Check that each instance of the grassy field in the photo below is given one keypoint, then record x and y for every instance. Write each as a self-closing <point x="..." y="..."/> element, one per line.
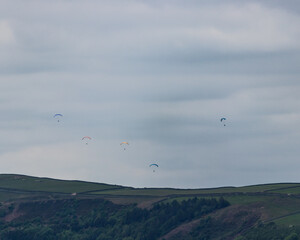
<point x="280" y="206"/>
<point x="291" y="190"/>
<point x="7" y="196"/>
<point x="27" y="183"/>
<point x="267" y="187"/>
<point x="292" y="220"/>
<point x="214" y="191"/>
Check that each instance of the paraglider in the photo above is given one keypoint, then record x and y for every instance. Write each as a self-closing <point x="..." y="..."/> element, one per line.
<point x="124" y="144"/>
<point x="153" y="166"/>
<point x="87" y="139"/>
<point x="58" y="116"/>
<point x="223" y="119"/>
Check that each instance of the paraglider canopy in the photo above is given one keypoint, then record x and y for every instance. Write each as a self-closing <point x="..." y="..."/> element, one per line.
<point x="58" y="116"/>
<point x="223" y="119"/>
<point x="124" y="143"/>
<point x="87" y="138"/>
<point x="153" y="165"/>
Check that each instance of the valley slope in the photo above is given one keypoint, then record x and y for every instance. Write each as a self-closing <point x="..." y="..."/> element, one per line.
<point x="25" y="197"/>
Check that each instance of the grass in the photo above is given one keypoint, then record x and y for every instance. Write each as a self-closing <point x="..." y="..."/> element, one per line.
<point x="171" y="191"/>
<point x="7" y="196"/>
<point x="280" y="206"/>
<point x="292" y="220"/>
<point x="292" y="190"/>
<point x="245" y="200"/>
<point x="26" y="183"/>
<point x="266" y="187"/>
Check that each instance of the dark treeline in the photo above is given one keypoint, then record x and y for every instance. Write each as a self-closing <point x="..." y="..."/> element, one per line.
<point x="107" y="221"/>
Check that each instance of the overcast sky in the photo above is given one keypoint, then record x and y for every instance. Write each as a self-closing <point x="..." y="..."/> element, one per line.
<point x="159" y="75"/>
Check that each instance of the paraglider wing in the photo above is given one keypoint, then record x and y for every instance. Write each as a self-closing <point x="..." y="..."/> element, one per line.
<point x="122" y="143"/>
<point x="87" y="138"/>
<point x="153" y="164"/>
<point x="58" y="116"/>
<point x="223" y="119"/>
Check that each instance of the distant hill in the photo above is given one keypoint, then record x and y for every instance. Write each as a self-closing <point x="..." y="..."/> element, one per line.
<point x="64" y="209"/>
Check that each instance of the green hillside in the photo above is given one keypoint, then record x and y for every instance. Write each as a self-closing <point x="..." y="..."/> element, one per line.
<point x="288" y="187"/>
<point x="27" y="183"/>
<point x="242" y="213"/>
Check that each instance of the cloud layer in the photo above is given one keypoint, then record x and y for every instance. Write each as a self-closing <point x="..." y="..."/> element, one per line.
<point x="159" y="75"/>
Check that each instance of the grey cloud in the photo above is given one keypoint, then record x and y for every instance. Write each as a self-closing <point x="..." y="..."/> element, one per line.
<point x="66" y="36"/>
<point x="159" y="75"/>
